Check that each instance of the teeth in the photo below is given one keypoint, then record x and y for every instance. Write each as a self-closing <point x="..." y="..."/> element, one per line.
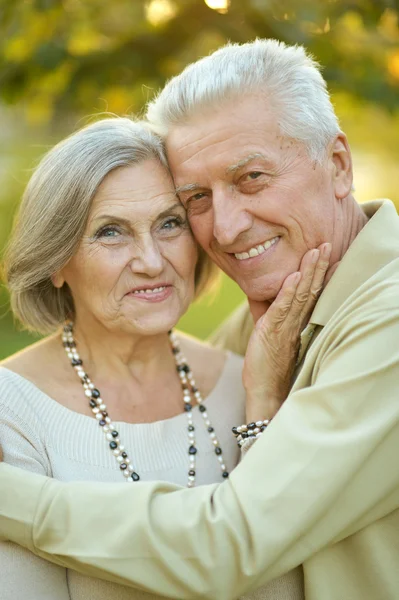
<point x="256" y="250"/>
<point x="154" y="291"/>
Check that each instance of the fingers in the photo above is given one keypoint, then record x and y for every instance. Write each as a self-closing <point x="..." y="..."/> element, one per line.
<point x="314" y="267"/>
<point x="321" y="269"/>
<point x="307" y="268"/>
<point x="282" y="305"/>
<point x="298" y="294"/>
<point x="300" y="291"/>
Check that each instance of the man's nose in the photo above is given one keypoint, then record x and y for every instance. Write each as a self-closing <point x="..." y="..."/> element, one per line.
<point x="230" y="217"/>
<point x="147" y="258"/>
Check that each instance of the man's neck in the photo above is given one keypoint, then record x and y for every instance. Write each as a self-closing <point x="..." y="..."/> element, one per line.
<point x="354" y="219"/>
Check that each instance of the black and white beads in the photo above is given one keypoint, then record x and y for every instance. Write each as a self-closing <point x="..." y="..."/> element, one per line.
<point x="191" y="397"/>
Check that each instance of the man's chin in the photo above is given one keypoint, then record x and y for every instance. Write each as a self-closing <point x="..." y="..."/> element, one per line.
<point x="259" y="292"/>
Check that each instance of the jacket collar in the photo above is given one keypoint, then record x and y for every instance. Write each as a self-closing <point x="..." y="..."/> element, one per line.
<point x="375" y="246"/>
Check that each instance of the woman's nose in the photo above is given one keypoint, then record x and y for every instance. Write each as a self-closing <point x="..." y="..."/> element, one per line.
<point x="147" y="259"/>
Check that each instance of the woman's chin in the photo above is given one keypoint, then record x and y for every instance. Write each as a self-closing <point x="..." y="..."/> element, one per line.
<point x="152" y="325"/>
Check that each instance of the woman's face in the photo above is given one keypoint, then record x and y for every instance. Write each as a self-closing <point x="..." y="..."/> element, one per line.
<point x="134" y="268"/>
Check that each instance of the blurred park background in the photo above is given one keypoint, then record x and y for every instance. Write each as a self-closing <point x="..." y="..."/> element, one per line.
<point x="63" y="62"/>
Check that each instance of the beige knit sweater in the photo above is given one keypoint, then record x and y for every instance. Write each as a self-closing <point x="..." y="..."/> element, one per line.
<point x="38" y="434"/>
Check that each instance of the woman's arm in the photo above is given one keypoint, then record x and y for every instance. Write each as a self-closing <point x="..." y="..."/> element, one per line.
<point x="22" y="574"/>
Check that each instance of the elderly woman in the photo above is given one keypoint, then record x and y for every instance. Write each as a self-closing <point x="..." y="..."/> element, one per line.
<point x="102" y="258"/>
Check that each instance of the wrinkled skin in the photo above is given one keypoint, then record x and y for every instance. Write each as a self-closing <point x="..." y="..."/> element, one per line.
<point x="245" y="184"/>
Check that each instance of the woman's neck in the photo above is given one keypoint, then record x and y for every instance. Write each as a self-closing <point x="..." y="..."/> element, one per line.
<point x="123" y="356"/>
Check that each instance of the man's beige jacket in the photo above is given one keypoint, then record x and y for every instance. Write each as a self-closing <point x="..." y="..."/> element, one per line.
<point x="319" y="488"/>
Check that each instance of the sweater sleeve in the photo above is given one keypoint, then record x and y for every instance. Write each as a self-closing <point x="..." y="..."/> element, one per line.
<point x="24" y="575"/>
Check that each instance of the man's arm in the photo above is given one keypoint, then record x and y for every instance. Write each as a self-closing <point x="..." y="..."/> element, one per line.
<point x="324" y="469"/>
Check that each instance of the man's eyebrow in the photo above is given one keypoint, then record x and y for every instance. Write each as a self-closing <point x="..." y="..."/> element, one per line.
<point x="188" y="187"/>
<point x="244" y="161"/>
<point x="191" y="187"/>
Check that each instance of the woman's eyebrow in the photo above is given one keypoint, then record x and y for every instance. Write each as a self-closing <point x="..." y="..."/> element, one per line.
<point x="168" y="210"/>
<point x="122" y="220"/>
<point x="110" y="218"/>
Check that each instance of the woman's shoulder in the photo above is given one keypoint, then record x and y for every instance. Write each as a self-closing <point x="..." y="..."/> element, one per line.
<point x="213" y="367"/>
<point x="17" y="393"/>
<point x="198" y="349"/>
<point x="23" y="414"/>
<point x="23" y="375"/>
<point x="235" y="331"/>
<point x="201" y="354"/>
<point x="206" y="351"/>
<point x="28" y="355"/>
<point x="31" y="363"/>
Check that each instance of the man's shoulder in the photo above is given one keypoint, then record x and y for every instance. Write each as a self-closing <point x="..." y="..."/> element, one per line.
<point x="235" y="331"/>
<point x="382" y="289"/>
<point x="377" y="299"/>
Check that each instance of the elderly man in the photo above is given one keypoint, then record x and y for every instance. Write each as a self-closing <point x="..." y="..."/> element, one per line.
<point x="265" y="173"/>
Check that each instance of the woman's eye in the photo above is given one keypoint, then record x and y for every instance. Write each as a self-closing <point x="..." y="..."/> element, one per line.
<point x="108" y="232"/>
<point x="172" y="223"/>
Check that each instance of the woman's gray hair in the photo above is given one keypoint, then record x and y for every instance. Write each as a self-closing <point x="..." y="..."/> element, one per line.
<point x="54" y="212"/>
<point x="288" y="77"/>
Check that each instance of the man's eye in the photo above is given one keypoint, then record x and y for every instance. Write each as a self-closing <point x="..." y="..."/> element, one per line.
<point x="198" y="196"/>
<point x="253" y="175"/>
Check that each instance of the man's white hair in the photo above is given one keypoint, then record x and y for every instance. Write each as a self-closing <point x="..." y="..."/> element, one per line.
<point x="289" y="78"/>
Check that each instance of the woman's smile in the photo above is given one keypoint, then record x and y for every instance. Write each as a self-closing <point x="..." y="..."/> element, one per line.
<point x="153" y="293"/>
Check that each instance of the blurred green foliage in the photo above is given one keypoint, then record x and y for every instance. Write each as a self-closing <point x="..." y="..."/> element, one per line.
<point x="62" y="60"/>
<point x="58" y="56"/>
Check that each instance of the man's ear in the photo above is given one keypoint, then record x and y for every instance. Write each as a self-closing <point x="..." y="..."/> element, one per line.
<point x="341" y="158"/>
<point x="58" y="279"/>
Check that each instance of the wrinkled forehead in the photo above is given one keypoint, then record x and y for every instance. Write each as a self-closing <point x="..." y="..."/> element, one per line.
<point x="230" y="132"/>
<point x="224" y="153"/>
<point x="129" y="188"/>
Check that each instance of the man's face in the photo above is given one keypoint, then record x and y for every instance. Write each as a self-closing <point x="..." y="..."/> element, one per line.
<point x="255" y="201"/>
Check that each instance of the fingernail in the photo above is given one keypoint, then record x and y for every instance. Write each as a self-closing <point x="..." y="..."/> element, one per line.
<point x="297" y="277"/>
<point x="326" y="250"/>
<point x="315" y="256"/>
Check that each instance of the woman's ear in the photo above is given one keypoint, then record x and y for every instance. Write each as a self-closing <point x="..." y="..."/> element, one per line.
<point x="58" y="279"/>
<point x="341" y="158"/>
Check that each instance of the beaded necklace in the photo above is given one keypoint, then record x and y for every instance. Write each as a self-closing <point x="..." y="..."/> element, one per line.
<point x="191" y="394"/>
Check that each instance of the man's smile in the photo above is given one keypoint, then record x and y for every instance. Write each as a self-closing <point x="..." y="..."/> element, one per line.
<point x="256" y="250"/>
